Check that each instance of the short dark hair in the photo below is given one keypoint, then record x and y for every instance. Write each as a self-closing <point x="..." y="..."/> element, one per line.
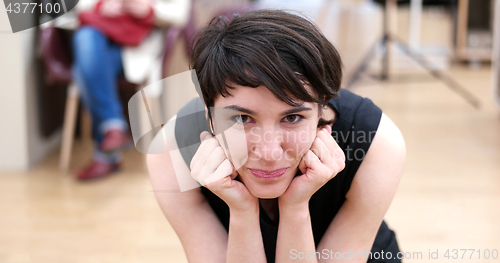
<point x="273" y="48"/>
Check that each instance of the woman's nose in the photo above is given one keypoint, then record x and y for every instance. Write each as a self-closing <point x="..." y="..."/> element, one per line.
<point x="269" y="145"/>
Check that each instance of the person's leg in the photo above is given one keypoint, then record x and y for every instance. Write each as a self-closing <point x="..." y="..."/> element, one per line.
<point x="97" y="67"/>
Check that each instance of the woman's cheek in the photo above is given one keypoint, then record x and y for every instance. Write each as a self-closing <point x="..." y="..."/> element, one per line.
<point x="296" y="144"/>
<point x="236" y="151"/>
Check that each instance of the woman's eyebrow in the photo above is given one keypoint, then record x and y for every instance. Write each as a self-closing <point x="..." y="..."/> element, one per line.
<point x="251" y="112"/>
<point x="295" y="110"/>
<point x="238" y="108"/>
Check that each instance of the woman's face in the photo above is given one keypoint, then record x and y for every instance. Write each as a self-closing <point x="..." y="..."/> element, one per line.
<point x="277" y="135"/>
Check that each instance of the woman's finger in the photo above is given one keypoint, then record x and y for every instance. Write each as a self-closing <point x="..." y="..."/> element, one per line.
<point x="204" y="135"/>
<point x="302" y="164"/>
<point x="215" y="158"/>
<point x="206" y="147"/>
<point x="321" y="150"/>
<point x="335" y="158"/>
<point x="197" y="154"/>
<point x="224" y="170"/>
<point x="328" y="128"/>
<point x="327" y="138"/>
<point x="312" y="161"/>
<point x="335" y="151"/>
<point x="234" y="174"/>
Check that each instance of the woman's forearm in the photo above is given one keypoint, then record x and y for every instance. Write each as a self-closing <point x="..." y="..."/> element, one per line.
<point x="245" y="239"/>
<point x="295" y="237"/>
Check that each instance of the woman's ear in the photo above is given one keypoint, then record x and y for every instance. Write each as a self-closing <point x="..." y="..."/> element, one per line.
<point x="326" y="117"/>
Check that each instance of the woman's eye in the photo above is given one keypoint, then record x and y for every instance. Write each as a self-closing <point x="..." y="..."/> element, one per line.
<point x="293" y="118"/>
<point x="241" y="119"/>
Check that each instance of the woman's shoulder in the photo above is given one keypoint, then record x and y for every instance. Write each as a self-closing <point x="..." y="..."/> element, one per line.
<point x="352" y="109"/>
<point x="357" y="121"/>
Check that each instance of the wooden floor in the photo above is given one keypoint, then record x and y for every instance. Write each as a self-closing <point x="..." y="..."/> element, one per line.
<point x="449" y="197"/>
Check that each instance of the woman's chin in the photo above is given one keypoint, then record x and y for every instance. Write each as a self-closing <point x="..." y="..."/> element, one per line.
<point x="267" y="192"/>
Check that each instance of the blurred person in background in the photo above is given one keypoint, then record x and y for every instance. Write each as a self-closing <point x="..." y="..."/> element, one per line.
<point x="117" y="38"/>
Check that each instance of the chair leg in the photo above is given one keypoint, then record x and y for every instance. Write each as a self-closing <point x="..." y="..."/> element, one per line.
<point x="70" y="115"/>
<point x="86" y="126"/>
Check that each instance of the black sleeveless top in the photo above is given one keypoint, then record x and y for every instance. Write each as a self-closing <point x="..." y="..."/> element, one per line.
<point x="357" y="120"/>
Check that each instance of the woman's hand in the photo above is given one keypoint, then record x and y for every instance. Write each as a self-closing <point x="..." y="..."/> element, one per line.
<point x="138" y="8"/>
<point x="211" y="167"/>
<point x="319" y="165"/>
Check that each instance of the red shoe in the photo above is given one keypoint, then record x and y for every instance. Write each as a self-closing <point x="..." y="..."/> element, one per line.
<point x="115" y="140"/>
<point x="97" y="170"/>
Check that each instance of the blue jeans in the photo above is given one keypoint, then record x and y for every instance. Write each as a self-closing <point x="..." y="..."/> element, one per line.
<point x="97" y="67"/>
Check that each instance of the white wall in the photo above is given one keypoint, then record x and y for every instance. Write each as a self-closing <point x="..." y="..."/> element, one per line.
<point x="21" y="146"/>
<point x="13" y="125"/>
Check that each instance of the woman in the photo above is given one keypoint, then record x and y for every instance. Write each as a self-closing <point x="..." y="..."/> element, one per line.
<point x="322" y="164"/>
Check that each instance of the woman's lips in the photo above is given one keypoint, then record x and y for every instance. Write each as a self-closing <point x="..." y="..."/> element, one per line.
<point x="268" y="175"/>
